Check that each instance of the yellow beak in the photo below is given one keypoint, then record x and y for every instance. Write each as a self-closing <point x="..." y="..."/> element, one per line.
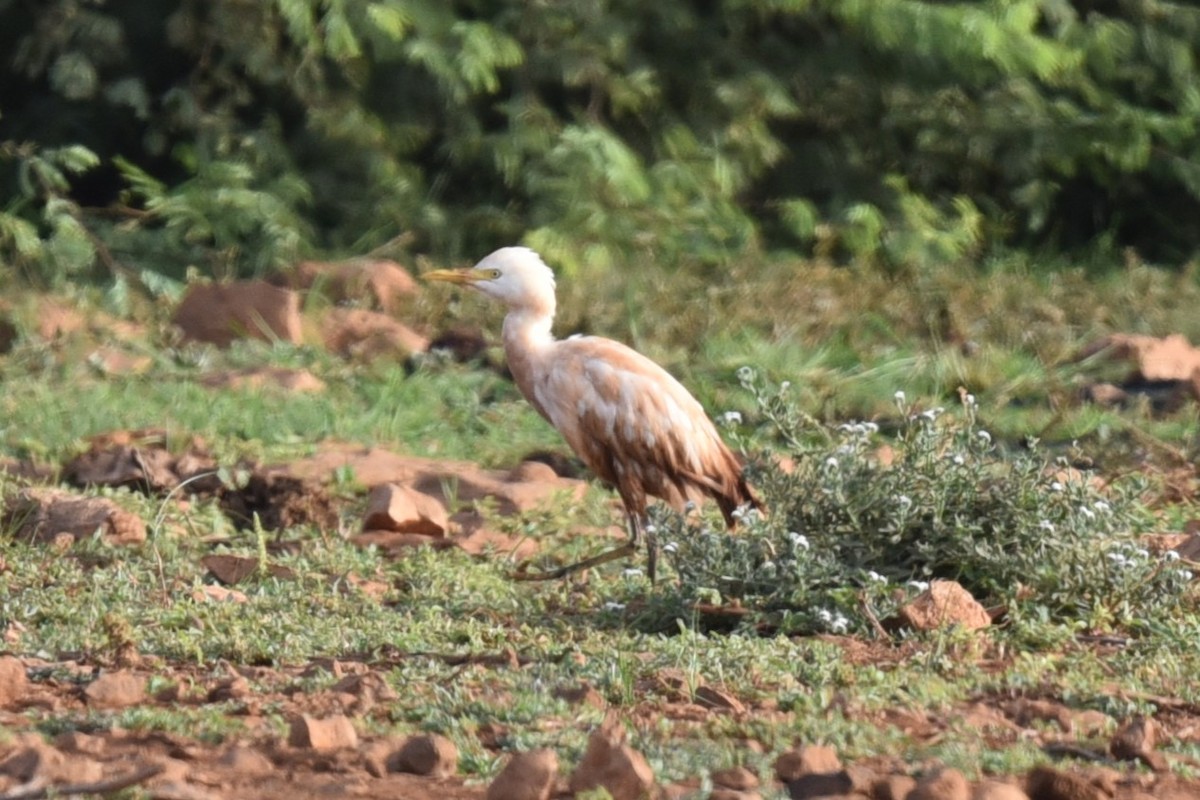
<point x="461" y="276"/>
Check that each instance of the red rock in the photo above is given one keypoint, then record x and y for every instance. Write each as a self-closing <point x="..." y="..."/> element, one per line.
<point x="246" y="760"/>
<point x="1171" y="358"/>
<point x="367" y="335"/>
<point x="526" y="776"/>
<point x="259" y="378"/>
<point x="14" y="683"/>
<point x="1135" y="740"/>
<point x="893" y="787"/>
<point x="943" y="604"/>
<point x="385" y="282"/>
<point x="582" y="695"/>
<point x="711" y="697"/>
<point x="945" y="783"/>
<point x="43" y="515"/>
<point x="1048" y="783"/>
<point x="323" y="735"/>
<point x="433" y="755"/>
<point x="997" y="790"/>
<point x="34" y="760"/>
<point x="214" y="593"/>
<point x="114" y="690"/>
<point x="611" y="763"/>
<point x="737" y="778"/>
<point x="806" y="759"/>
<point x="398" y="508"/>
<point x="220" y="313"/>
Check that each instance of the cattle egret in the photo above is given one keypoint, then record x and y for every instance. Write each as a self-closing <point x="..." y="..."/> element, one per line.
<point x="626" y="417"/>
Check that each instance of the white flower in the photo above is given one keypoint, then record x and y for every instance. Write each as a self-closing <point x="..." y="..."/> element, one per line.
<point x="768" y="566"/>
<point x="875" y="576"/>
<point x="899" y="396"/>
<point x="959" y="460"/>
<point x="783" y="387"/>
<point x="969" y="400"/>
<point x="612" y="606"/>
<point x="904" y="501"/>
<point x="1118" y="560"/>
<point x="732" y="418"/>
<point x="651" y="528"/>
<point x="839" y="624"/>
<point x="1186" y="574"/>
<point x="870" y="427"/>
<point x="800" y="540"/>
<point x="1056" y="487"/>
<point x="1046" y="525"/>
<point x="920" y="586"/>
<point x="831" y="462"/>
<point x="1102" y="507"/>
<point x="1170" y="555"/>
<point x="985" y="436"/>
<point x="745" y="373"/>
<point x="632" y="572"/>
<point x="1087" y="512"/>
<point x="671" y="547"/>
<point x="1141" y="552"/>
<point x="824" y="615"/>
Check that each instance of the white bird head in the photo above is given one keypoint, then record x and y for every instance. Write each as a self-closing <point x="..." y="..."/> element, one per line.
<point x="516" y="276"/>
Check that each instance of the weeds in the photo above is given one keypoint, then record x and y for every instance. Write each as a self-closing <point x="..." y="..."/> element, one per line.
<point x="856" y="525"/>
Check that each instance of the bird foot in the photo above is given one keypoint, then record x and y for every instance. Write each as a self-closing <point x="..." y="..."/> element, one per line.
<point x="627" y="549"/>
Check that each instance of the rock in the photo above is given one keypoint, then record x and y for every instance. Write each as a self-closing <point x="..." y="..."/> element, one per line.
<point x="215" y="593"/>
<point x="732" y="794"/>
<point x="1135" y="740"/>
<point x="144" y="465"/>
<point x="46" y="515"/>
<point x="385" y="282"/>
<point x="34" y="760"/>
<point x="323" y="735"/>
<point x="944" y="603"/>
<point x="231" y="569"/>
<point x="736" y="778"/>
<point x="259" y="378"/>
<point x="1171" y="358"/>
<point x="997" y="790"/>
<point x="366" y="335"/>
<point x="526" y="776"/>
<point x="220" y="313"/>
<point x="819" y="784"/>
<point x="945" y="783"/>
<point x="246" y="760"/>
<point x="397" y="508"/>
<point x="805" y="760"/>
<point x="582" y="695"/>
<point x="1048" y="783"/>
<point x="711" y="697"/>
<point x="113" y="690"/>
<point x="14" y="683"/>
<point x="432" y="754"/>
<point x="611" y="763"/>
<point x="893" y="787"/>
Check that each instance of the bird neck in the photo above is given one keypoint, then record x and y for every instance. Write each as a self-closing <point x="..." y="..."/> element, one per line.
<point x="528" y="329"/>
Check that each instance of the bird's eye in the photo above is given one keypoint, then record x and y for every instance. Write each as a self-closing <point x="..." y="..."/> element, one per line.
<point x="493" y="274"/>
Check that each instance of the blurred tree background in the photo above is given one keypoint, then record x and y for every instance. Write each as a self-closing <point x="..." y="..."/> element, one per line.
<point x="139" y="138"/>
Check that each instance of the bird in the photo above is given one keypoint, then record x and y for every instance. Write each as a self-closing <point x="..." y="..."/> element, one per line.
<point x="629" y="420"/>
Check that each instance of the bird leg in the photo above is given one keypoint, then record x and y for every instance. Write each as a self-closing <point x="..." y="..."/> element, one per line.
<point x="629" y="548"/>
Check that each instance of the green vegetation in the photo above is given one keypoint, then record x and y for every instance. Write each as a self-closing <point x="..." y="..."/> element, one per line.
<point x="144" y="137"/>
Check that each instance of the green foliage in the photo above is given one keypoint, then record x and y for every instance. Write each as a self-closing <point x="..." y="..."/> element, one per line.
<point x="236" y="136"/>
<point x="846" y="529"/>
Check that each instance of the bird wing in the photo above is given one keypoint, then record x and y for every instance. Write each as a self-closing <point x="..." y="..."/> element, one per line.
<point x="632" y="422"/>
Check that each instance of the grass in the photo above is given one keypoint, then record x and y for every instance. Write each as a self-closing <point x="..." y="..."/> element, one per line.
<point x="844" y="339"/>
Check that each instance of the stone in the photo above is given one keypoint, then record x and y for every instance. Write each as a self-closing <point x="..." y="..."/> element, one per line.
<point x="527" y="776"/>
<point x="943" y="604"/>
<point x="14" y="683"/>
<point x="246" y="760"/>
<point x="582" y="695"/>
<point x="893" y="787"/>
<point x="1135" y="740"/>
<point x="737" y="778"/>
<point x="432" y="754"/>
<point x="719" y="699"/>
<point x="113" y="690"/>
<point x="997" y="790"/>
<point x="945" y="783"/>
<point x="220" y="313"/>
<point x="806" y="759"/>
<point x="1048" y="783"/>
<point x="391" y="507"/>
<point x="366" y="335"/>
<point x="323" y="735"/>
<point x="382" y="281"/>
<point x="611" y="763"/>
<point x="819" y="784"/>
<point x="51" y="515"/>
